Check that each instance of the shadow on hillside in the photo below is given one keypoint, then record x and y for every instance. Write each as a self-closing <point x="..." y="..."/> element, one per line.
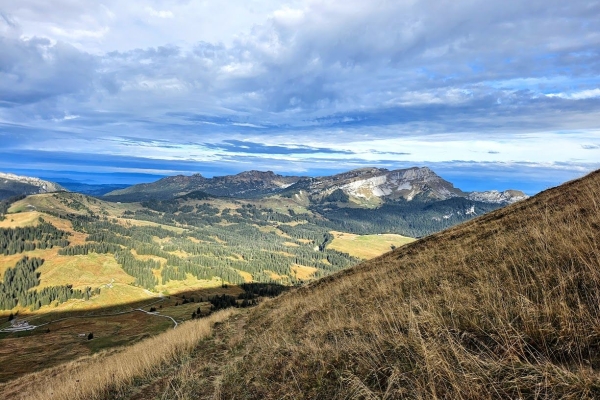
<point x="45" y="339"/>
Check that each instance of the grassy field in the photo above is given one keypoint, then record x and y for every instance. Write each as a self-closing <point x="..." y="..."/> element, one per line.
<point x="367" y="246"/>
<point x="136" y="222"/>
<point x="28" y="218"/>
<point x="303" y="272"/>
<point x="93" y="270"/>
<point x="63" y="202"/>
<point x="190" y="283"/>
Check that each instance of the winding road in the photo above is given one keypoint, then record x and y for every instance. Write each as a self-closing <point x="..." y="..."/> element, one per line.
<point x="32" y="327"/>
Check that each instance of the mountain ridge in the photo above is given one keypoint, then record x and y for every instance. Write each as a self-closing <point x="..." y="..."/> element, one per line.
<point x="363" y="185"/>
<point x="12" y="185"/>
<point x="247" y="184"/>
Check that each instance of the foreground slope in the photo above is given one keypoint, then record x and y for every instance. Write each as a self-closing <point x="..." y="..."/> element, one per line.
<point x="504" y="306"/>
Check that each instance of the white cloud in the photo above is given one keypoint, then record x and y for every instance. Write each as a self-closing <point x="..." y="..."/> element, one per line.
<point x="78" y="34"/>
<point x="581" y="95"/>
<point x="159" y="14"/>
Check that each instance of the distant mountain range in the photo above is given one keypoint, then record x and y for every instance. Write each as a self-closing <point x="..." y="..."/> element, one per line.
<point x="249" y="184"/>
<point x="413" y="202"/>
<point x="365" y="186"/>
<point x="14" y="185"/>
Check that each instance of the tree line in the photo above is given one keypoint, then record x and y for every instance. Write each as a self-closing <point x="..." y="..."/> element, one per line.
<point x="19" y="282"/>
<point x="42" y="236"/>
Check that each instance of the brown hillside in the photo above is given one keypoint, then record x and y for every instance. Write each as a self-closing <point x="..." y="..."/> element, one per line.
<point x="506" y="306"/>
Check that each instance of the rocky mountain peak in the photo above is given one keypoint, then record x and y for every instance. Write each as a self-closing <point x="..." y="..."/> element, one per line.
<point x="12" y="185"/>
<point x="370" y="186"/>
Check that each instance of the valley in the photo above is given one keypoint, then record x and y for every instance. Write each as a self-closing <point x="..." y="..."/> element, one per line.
<point x="123" y="271"/>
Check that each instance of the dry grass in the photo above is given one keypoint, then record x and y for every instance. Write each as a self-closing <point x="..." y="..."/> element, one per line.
<point x="93" y="270"/>
<point x="505" y="306"/>
<point x="137" y="222"/>
<point x="246" y="275"/>
<point x="108" y="374"/>
<point x="303" y="272"/>
<point x="190" y="283"/>
<point x="367" y="246"/>
<point x="21" y="220"/>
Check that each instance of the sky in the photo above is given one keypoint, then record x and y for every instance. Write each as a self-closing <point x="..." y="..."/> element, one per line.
<point x="489" y="94"/>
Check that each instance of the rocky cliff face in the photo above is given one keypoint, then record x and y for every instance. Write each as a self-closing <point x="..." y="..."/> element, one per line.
<point x="376" y="185"/>
<point x="494" y="196"/>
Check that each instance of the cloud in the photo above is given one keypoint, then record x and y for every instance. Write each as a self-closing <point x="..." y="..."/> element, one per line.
<point x="304" y="82"/>
<point x="34" y="70"/>
<point x="159" y="14"/>
<point x="580" y="95"/>
<point x="238" y="146"/>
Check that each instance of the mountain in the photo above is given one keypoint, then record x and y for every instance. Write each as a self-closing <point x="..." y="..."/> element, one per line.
<point x="365" y="187"/>
<point x="14" y="185"/>
<point x="377" y="185"/>
<point x="412" y="202"/>
<point x="249" y="184"/>
<point x="504" y="306"/>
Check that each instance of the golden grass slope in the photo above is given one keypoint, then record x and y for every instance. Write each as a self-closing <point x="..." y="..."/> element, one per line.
<point x="367" y="246"/>
<point x="506" y="306"/>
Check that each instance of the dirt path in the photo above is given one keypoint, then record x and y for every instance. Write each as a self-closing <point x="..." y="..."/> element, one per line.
<point x="201" y="373"/>
<point x="156" y="314"/>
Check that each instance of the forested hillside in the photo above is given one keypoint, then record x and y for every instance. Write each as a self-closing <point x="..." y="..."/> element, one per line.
<point x="200" y="238"/>
<point x="161" y="243"/>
